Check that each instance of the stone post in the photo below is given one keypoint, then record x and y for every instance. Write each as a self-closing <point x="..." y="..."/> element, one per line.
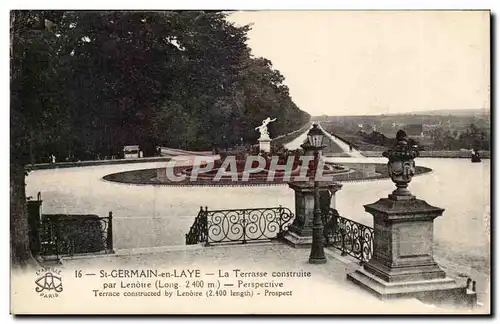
<point x="300" y="232"/>
<point x="403" y="263"/>
<point x="265" y="144"/>
<point x="34" y="219"/>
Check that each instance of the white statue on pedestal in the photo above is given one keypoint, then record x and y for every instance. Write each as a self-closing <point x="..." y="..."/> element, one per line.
<point x="263" y="128"/>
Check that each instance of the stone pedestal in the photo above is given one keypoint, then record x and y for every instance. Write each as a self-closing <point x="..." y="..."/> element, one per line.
<point x="402" y="263"/>
<point x="265" y="144"/>
<point x="300" y="232"/>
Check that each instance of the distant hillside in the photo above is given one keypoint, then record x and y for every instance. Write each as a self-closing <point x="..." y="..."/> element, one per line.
<point x="441" y="112"/>
<point x="447" y="112"/>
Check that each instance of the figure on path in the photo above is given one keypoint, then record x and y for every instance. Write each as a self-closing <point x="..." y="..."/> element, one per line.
<point x="475" y="156"/>
<point x="263" y="128"/>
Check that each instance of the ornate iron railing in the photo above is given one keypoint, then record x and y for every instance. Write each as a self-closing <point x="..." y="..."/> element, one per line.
<point x="75" y="234"/>
<point x="350" y="237"/>
<point x="239" y="225"/>
<point x="243" y="225"/>
<point x="198" y="231"/>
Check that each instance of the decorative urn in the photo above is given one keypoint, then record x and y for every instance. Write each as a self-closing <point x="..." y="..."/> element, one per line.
<point x="401" y="165"/>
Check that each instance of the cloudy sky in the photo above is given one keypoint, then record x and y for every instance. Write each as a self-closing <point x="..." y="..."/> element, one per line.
<point x="373" y="62"/>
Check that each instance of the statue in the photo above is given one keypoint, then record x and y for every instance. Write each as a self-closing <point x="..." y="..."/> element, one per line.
<point x="263" y="128"/>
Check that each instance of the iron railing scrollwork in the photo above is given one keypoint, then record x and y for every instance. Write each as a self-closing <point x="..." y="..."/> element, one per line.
<point x="75" y="234"/>
<point x="243" y="225"/>
<point x="348" y="236"/>
<point x="263" y="224"/>
<point x="198" y="231"/>
<point x="239" y="225"/>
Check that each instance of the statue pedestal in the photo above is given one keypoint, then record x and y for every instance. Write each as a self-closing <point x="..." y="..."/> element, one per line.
<point x="265" y="143"/>
<point x="300" y="232"/>
<point x="403" y="263"/>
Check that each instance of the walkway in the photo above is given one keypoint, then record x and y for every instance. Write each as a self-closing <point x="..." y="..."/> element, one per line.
<point x="295" y="144"/>
<point x="166" y="151"/>
<point x="326" y="291"/>
<point x="354" y="153"/>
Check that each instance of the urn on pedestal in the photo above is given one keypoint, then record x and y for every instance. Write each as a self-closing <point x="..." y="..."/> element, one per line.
<point x="403" y="262"/>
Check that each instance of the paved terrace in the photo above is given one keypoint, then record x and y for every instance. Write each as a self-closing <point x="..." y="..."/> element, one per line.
<point x="326" y="292"/>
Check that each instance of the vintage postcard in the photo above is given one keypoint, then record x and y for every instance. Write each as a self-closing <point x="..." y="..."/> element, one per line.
<point x="250" y="162"/>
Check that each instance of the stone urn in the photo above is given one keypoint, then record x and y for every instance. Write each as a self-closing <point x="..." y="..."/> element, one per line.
<point x="402" y="263"/>
<point x="401" y="165"/>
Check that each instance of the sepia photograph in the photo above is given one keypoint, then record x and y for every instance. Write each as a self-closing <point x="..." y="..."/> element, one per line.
<point x="242" y="162"/>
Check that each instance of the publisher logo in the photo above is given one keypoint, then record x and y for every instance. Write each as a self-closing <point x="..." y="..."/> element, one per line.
<point x="49" y="282"/>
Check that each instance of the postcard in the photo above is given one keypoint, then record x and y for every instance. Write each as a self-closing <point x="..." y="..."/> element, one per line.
<point x="250" y="162"/>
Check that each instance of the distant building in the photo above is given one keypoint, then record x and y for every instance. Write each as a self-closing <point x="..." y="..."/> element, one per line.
<point x="428" y="129"/>
<point x="131" y="152"/>
<point x="365" y="128"/>
<point x="414" y="130"/>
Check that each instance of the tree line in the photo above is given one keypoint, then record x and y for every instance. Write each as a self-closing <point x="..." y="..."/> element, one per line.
<point x="472" y="138"/>
<point x="437" y="139"/>
<point x="86" y="83"/>
<point x="91" y="82"/>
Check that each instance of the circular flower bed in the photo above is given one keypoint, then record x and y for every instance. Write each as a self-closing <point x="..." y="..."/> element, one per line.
<point x="231" y="169"/>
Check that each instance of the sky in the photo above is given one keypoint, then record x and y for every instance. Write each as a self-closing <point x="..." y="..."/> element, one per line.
<point x="376" y="62"/>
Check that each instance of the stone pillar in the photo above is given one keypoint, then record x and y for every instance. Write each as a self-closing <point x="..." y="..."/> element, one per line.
<point x="34" y="219"/>
<point x="265" y="144"/>
<point x="403" y="263"/>
<point x="300" y="232"/>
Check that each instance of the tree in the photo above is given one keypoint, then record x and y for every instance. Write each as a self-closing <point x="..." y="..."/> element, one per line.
<point x="84" y="84"/>
<point x="198" y="82"/>
<point x="31" y="66"/>
<point x="474" y="138"/>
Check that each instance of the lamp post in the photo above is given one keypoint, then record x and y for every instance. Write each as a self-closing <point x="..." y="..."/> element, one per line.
<point x="315" y="138"/>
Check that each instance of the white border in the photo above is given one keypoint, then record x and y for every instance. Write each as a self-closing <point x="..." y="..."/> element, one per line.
<point x="258" y="4"/>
